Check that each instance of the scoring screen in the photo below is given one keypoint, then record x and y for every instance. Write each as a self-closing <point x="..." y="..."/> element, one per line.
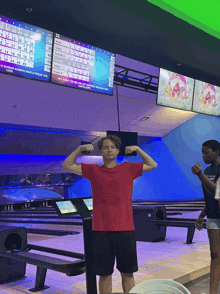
<point x="80" y="65"/>
<point x="25" y="50"/>
<point x="66" y="207"/>
<point x="89" y="203"/>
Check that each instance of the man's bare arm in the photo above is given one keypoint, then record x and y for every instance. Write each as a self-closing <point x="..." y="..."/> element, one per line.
<point x="207" y="184"/>
<point x="203" y="213"/>
<point x="70" y="162"/>
<point x="149" y="163"/>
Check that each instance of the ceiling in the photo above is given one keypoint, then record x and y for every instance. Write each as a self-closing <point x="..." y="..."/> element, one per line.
<point x="136" y="30"/>
<point x="194" y="13"/>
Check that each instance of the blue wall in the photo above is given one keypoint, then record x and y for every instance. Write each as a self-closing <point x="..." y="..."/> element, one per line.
<point x="175" y="154"/>
<point x="185" y="144"/>
<point x="167" y="182"/>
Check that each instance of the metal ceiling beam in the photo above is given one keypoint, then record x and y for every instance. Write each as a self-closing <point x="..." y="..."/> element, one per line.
<point x="124" y="78"/>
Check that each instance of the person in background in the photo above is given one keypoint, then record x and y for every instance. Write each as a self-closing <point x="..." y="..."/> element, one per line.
<point x="210" y="154"/>
<point x="48" y="179"/>
<point x="25" y="180"/>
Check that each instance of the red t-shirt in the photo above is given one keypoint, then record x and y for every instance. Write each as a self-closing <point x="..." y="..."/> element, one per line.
<point x="112" y="195"/>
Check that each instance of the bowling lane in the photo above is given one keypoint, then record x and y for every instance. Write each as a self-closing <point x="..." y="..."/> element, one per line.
<point x="46" y="226"/>
<point x="38" y="216"/>
<point x="200" y="285"/>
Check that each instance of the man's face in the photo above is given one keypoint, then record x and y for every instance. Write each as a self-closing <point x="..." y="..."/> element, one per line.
<point x="109" y="150"/>
<point x="208" y="155"/>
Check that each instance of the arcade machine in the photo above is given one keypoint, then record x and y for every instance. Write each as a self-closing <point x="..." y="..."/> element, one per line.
<point x="84" y="207"/>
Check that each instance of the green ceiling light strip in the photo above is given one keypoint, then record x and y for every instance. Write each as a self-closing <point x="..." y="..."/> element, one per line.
<point x="201" y="14"/>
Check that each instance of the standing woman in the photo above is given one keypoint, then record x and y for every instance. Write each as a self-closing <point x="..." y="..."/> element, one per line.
<point x="210" y="154"/>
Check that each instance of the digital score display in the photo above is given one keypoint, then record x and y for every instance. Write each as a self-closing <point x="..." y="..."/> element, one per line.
<point x="82" y="66"/>
<point x="206" y="98"/>
<point x="175" y="90"/>
<point x="25" y="50"/>
<point x="66" y="207"/>
<point x="89" y="203"/>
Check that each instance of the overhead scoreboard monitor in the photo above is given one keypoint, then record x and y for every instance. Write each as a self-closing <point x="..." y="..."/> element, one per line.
<point x="206" y="98"/>
<point x="25" y="50"/>
<point x="175" y="90"/>
<point x="79" y="65"/>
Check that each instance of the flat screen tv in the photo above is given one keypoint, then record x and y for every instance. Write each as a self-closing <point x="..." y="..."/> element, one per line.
<point x="25" y="50"/>
<point x="175" y="90"/>
<point x="206" y="98"/>
<point x="79" y="65"/>
<point x="127" y="139"/>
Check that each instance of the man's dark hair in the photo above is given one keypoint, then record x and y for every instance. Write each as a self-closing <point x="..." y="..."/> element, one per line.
<point x="113" y="138"/>
<point x="212" y="144"/>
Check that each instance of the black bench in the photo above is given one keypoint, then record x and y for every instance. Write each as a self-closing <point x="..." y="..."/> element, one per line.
<point x="70" y="268"/>
<point x="190" y="224"/>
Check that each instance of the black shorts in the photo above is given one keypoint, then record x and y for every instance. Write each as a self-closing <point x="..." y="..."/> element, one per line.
<point x="108" y="245"/>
